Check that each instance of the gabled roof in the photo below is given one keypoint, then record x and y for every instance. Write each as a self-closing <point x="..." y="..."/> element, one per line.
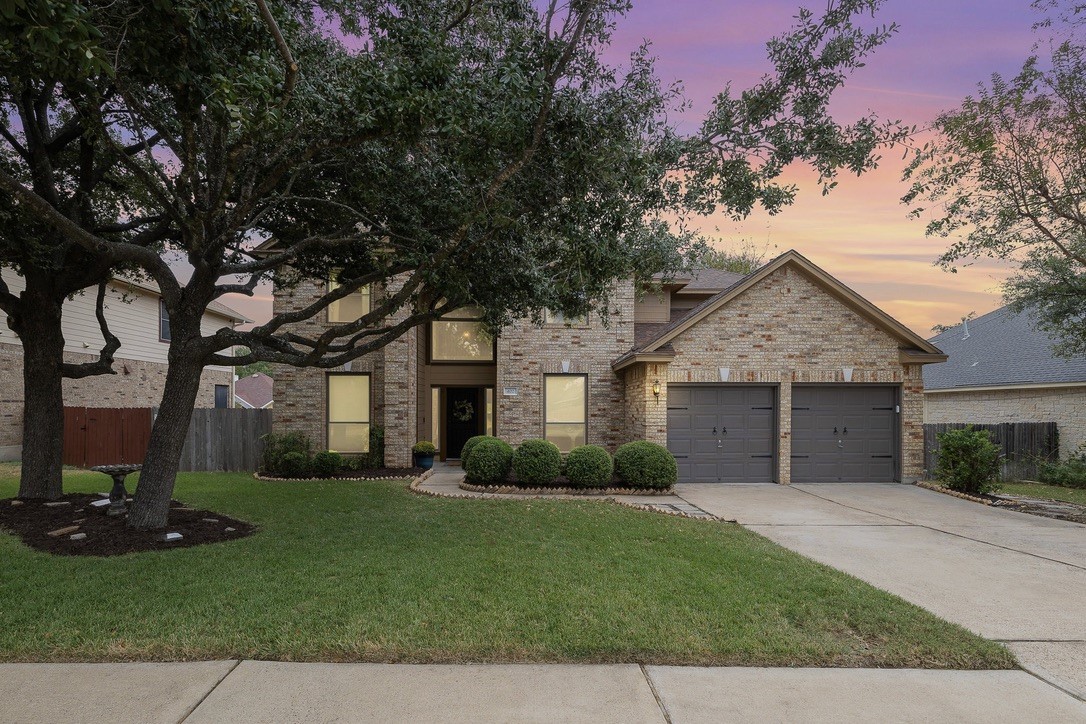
<point x="915" y="347"/>
<point x="213" y="307"/>
<point x="1000" y="349"/>
<point x="255" y="390"/>
<point x="704" y="280"/>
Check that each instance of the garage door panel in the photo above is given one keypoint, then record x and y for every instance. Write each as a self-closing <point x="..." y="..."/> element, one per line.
<point x="864" y="446"/>
<point x="743" y="447"/>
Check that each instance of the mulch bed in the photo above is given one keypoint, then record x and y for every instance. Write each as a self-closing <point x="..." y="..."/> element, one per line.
<point x="33" y="520"/>
<point x="562" y="486"/>
<point x="369" y="474"/>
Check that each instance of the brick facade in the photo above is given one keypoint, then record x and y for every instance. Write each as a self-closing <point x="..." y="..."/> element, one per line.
<point x="142" y="386"/>
<point x="646" y="412"/>
<point x="526" y="353"/>
<point x="788" y="330"/>
<point x="1066" y="406"/>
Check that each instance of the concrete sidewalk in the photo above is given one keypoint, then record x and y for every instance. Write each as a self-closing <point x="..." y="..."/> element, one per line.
<point x="256" y="691"/>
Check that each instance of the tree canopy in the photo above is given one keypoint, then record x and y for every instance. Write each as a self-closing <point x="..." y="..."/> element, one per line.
<point x="1006" y="179"/>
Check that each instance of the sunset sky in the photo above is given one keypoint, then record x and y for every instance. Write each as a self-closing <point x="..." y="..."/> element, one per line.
<point x="861" y="232"/>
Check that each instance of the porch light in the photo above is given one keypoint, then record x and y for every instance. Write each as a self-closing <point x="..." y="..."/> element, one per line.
<point x="656" y="388"/>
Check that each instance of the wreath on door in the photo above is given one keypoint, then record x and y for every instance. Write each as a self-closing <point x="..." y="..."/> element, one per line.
<point x="464" y="411"/>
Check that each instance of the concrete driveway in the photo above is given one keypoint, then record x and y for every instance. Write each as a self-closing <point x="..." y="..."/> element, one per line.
<point x="1007" y="576"/>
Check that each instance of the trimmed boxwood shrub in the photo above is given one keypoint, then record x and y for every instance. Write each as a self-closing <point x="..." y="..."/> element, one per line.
<point x="537" y="462"/>
<point x="490" y="462"/>
<point x="589" y="466"/>
<point x="471" y="443"/>
<point x="294" y="465"/>
<point x="967" y="461"/>
<point x="645" y="464"/>
<point x="276" y="446"/>
<point x="326" y="464"/>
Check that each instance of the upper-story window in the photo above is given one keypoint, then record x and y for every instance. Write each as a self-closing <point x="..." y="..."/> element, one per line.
<point x="551" y="316"/>
<point x="351" y="307"/>
<point x="460" y="337"/>
<point x="163" y="321"/>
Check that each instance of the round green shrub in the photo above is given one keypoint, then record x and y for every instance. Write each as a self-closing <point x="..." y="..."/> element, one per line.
<point x="471" y="443"/>
<point x="537" y="462"/>
<point x="326" y="464"/>
<point x="490" y="462"/>
<point x="967" y="460"/>
<point x="424" y="447"/>
<point x="589" y="466"/>
<point x="645" y="464"/>
<point x="294" y="465"/>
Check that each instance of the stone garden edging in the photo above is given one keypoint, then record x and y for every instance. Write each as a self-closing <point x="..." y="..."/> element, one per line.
<point x="947" y="491"/>
<point x="539" y="492"/>
<point x="270" y="479"/>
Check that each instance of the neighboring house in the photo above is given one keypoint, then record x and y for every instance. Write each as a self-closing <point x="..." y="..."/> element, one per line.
<point x="783" y="375"/>
<point x="1002" y="369"/>
<point x="253" y="392"/>
<point x="137" y="316"/>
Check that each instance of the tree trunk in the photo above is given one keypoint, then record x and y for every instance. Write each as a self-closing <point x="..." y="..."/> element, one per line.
<point x="43" y="406"/>
<point x="151" y="504"/>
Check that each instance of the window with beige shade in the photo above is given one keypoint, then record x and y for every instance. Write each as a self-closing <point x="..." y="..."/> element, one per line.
<point x="351" y="307"/>
<point x="460" y="337"/>
<point x="349" y="413"/>
<point x="551" y="316"/>
<point x="565" y="410"/>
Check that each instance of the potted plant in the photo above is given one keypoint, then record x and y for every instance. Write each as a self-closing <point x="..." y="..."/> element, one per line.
<point x="424" y="451"/>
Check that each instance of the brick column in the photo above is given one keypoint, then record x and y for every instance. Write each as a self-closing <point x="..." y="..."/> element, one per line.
<point x="784" y="432"/>
<point x="912" y="424"/>
<point x="401" y="398"/>
<point x="646" y="413"/>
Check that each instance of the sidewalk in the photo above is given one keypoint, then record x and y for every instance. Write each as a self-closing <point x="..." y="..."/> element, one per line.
<point x="256" y="691"/>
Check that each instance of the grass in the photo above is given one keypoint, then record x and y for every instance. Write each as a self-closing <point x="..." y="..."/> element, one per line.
<point x="1046" y="492"/>
<point x="367" y="571"/>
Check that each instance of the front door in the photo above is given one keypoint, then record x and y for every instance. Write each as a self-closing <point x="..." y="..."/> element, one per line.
<point x="463" y="418"/>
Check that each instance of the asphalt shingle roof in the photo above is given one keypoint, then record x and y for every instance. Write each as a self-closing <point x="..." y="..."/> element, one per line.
<point x="256" y="389"/>
<point x="1002" y="348"/>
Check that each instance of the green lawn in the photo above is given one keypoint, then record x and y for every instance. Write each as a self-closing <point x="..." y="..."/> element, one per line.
<point x="351" y="571"/>
<point x="1048" y="492"/>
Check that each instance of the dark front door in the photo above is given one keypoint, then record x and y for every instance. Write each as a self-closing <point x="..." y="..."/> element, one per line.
<point x="844" y="434"/>
<point x="722" y="434"/>
<point x="463" y="417"/>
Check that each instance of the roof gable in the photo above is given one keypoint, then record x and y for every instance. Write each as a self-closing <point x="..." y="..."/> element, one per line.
<point x="850" y="298"/>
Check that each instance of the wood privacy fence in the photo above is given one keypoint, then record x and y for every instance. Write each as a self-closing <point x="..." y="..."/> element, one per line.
<point x="1024" y="445"/>
<point x="105" y="435"/>
<point x="225" y="439"/>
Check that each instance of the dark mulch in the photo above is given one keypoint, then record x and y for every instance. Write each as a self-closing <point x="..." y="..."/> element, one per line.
<point x="33" y="520"/>
<point x="563" y="482"/>
<point x="368" y="474"/>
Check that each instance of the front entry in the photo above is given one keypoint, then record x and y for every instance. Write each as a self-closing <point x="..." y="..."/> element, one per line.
<point x="462" y="418"/>
<point x="722" y="433"/>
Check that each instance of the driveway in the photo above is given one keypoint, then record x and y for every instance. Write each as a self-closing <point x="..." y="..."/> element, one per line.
<point x="1008" y="576"/>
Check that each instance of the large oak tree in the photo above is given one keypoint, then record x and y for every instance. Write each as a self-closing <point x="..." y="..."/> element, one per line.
<point x="444" y="153"/>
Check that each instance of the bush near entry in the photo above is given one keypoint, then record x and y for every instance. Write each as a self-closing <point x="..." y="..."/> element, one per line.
<point x="589" y="466"/>
<point x="644" y="464"/>
<point x="967" y="461"/>
<point x="470" y="444"/>
<point x="537" y="462"/>
<point x="490" y="462"/>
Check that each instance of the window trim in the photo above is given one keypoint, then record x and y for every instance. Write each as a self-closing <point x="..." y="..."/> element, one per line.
<point x="164" y="316"/>
<point x="546" y="422"/>
<point x="328" y="288"/>
<point x="449" y="318"/>
<point x="328" y="408"/>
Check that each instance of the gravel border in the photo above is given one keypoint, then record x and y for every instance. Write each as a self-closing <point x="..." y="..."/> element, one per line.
<point x="270" y="479"/>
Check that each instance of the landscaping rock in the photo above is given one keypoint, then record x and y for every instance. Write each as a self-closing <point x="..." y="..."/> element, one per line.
<point x="171" y="537"/>
<point x="63" y="531"/>
<point x="210" y="520"/>
<point x="99" y="503"/>
<point x="230" y="530"/>
<point x="57" y="503"/>
<point x="16" y="502"/>
<point x="78" y="536"/>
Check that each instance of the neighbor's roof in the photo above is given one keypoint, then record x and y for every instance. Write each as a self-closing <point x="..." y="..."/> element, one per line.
<point x="213" y="307"/>
<point x="255" y="390"/>
<point x="1003" y="348"/>
<point x="655" y="340"/>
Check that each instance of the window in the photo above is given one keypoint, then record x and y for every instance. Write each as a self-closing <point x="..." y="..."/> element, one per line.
<point x="551" y="316"/>
<point x="565" y="413"/>
<point x="163" y="321"/>
<point x="222" y="396"/>
<point x="351" y="307"/>
<point x="349" y="413"/>
<point x="435" y="416"/>
<point x="460" y="337"/>
<point x="489" y="411"/>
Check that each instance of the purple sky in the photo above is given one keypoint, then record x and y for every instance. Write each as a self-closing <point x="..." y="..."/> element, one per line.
<point x="859" y="233"/>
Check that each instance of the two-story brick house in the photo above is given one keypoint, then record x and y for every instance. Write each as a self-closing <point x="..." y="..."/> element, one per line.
<point x="783" y="375"/>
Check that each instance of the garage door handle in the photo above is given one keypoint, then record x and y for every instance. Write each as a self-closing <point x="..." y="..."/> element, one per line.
<point x="835" y="431"/>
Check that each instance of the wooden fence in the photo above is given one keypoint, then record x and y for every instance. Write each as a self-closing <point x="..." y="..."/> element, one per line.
<point x="1024" y="444"/>
<point x="225" y="439"/>
<point x="105" y="435"/>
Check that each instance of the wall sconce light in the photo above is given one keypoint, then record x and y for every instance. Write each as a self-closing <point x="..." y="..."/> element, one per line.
<point x="656" y="388"/>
